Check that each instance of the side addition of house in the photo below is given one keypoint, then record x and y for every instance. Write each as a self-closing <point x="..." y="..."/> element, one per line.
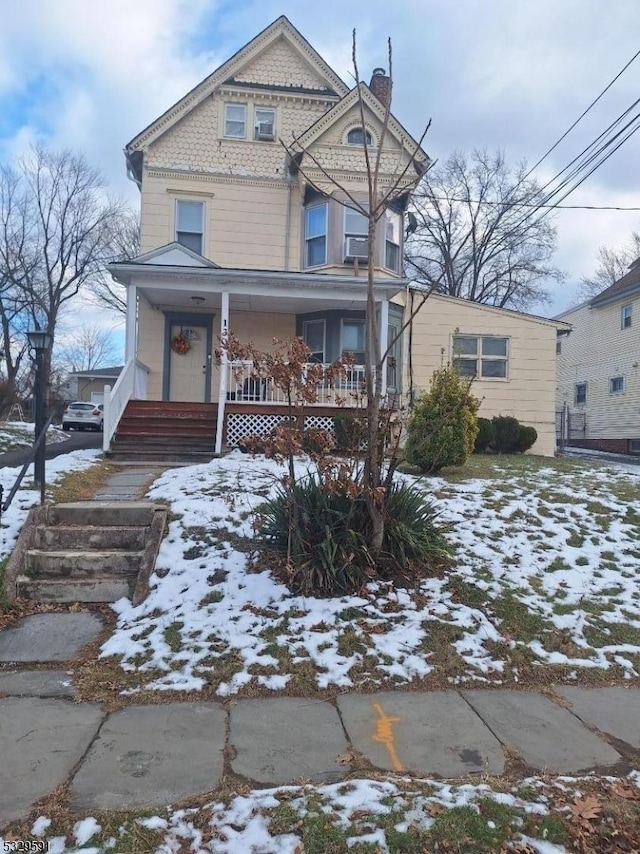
<point x="598" y="385"/>
<point x="236" y="238"/>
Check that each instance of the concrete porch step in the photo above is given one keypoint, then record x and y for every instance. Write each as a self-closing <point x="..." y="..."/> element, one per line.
<point x="98" y="589"/>
<point x="102" y="513"/>
<point x="69" y="537"/>
<point x="73" y="564"/>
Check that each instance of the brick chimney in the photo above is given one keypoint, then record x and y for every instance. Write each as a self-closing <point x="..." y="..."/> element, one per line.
<point x="381" y="86"/>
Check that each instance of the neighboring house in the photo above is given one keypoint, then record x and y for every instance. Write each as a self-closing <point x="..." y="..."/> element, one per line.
<point x="598" y="385"/>
<point x="510" y="354"/>
<point x="89" y="385"/>
<point x="239" y="236"/>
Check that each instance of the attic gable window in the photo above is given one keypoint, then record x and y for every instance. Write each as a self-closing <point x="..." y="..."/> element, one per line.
<point x="190" y="224"/>
<point x="356" y="136"/>
<point x="235" y="120"/>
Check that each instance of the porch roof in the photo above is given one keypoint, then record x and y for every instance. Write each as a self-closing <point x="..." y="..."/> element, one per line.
<point x="164" y="284"/>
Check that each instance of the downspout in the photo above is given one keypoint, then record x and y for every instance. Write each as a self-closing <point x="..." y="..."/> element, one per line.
<point x="410" y="354"/>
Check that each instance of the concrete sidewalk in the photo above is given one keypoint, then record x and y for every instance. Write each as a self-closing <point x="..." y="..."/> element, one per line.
<point x="153" y="755"/>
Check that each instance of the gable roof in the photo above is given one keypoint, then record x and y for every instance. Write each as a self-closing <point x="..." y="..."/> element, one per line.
<point x="628" y="285"/>
<point x="99" y="372"/>
<point x="280" y="28"/>
<point x="350" y="100"/>
<point x="170" y="255"/>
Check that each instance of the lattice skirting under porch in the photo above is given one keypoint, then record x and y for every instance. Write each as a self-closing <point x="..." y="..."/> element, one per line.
<point x="243" y="424"/>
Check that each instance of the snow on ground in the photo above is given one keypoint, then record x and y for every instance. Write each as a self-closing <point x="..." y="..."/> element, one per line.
<point x="28" y="497"/>
<point x="547" y="569"/>
<point x="19" y="434"/>
<point x="384" y="814"/>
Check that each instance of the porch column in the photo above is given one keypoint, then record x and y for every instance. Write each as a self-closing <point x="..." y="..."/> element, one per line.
<point x="222" y="391"/>
<point x="130" y="333"/>
<point x="384" y="343"/>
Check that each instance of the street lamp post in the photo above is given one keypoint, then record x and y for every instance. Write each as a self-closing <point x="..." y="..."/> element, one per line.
<point x="40" y="342"/>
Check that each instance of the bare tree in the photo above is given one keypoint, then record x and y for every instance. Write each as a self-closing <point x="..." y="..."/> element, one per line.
<point x="125" y="246"/>
<point x="92" y="347"/>
<point x="478" y="234"/>
<point x="57" y="232"/>
<point x="612" y="265"/>
<point x="382" y="191"/>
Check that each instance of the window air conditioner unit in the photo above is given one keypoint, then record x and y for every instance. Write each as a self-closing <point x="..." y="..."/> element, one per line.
<point x="356" y="247"/>
<point x="264" y="130"/>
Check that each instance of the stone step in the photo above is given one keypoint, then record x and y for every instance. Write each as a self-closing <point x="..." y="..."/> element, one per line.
<point x="89" y="537"/>
<point x="102" y="513"/>
<point x="71" y="564"/>
<point x="98" y="589"/>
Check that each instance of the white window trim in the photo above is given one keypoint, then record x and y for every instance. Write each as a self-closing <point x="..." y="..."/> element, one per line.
<point x="575" y="393"/>
<point x="324" y="335"/>
<point x="202" y="232"/>
<point x="224" y="119"/>
<point x="346" y="233"/>
<point x="620" y="391"/>
<point x="257" y="109"/>
<point x="622" y="316"/>
<point x="360" y="320"/>
<point x="398" y="269"/>
<point x="479" y="358"/>
<point x="324" y="205"/>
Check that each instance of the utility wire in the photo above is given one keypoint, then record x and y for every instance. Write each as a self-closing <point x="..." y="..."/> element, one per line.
<point x="583" y="114"/>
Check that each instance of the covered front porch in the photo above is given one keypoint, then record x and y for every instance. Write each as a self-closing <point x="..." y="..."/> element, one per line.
<point x="168" y="304"/>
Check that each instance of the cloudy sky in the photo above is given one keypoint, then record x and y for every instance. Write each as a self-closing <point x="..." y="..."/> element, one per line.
<point x="506" y="74"/>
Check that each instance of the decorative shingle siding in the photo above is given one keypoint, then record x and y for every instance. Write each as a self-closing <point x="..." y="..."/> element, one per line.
<point x="280" y="65"/>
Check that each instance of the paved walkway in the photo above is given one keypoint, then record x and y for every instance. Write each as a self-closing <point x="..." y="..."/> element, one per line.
<point x="152" y="755"/>
<point x="127" y="484"/>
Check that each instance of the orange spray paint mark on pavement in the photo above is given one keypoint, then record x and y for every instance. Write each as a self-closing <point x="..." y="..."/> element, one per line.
<point x="384" y="735"/>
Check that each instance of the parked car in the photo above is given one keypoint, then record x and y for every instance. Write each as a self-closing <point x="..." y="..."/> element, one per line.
<point x="82" y="415"/>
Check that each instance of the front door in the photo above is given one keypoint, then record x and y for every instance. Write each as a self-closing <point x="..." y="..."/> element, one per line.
<point x="188" y="370"/>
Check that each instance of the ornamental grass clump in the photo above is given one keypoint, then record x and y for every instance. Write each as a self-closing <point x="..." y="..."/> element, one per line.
<point x="316" y="538"/>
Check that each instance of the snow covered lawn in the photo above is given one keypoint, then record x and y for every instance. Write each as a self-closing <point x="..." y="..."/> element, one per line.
<point x="27" y="497"/>
<point x="546" y="586"/>
<point x="19" y="434"/>
<point x="384" y="815"/>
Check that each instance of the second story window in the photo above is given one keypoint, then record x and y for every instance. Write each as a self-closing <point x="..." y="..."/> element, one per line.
<point x="265" y="125"/>
<point x="315" y="233"/>
<point x="356" y="235"/>
<point x="392" y="225"/>
<point x="235" y="120"/>
<point x="190" y="224"/>
<point x="357" y="136"/>
<point x="580" y="394"/>
<point x="616" y="385"/>
<point x="626" y="313"/>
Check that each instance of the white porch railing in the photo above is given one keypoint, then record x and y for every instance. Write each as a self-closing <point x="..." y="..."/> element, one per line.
<point x="244" y="385"/>
<point x="130" y="385"/>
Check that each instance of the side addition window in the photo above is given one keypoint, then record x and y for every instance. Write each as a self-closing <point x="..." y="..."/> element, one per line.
<point x="265" y="125"/>
<point x="580" y="395"/>
<point x="484" y="357"/>
<point x="316" y="235"/>
<point x="190" y="224"/>
<point x="626" y="316"/>
<point x="235" y="120"/>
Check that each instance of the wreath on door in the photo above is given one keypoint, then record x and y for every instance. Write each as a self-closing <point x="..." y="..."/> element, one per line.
<point x="180" y="344"/>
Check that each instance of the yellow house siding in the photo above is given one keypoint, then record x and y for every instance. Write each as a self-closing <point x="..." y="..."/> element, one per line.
<point x="528" y="393"/>
<point x="597" y="350"/>
<point x="151" y="346"/>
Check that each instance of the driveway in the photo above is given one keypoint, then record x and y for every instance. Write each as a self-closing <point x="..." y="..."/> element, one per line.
<point x="76" y="441"/>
